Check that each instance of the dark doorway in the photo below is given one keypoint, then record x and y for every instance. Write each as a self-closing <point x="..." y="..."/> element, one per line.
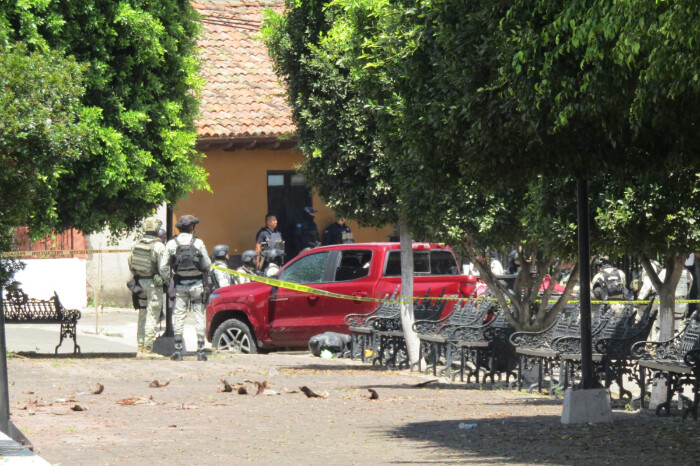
<point x="287" y="195"/>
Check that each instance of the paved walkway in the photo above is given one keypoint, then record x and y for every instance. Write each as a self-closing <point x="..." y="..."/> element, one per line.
<point x="112" y="330"/>
<point x="192" y="421"/>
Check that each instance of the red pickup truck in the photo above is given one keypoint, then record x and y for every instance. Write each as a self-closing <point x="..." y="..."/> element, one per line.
<point x="252" y="316"/>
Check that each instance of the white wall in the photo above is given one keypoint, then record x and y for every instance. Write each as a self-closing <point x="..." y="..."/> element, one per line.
<point x="41" y="277"/>
<point x="108" y="273"/>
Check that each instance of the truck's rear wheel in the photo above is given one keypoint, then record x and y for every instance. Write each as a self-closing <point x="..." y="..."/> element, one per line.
<point x="234" y="336"/>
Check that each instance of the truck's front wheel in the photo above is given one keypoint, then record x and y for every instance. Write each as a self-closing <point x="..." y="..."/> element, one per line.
<point x="234" y="336"/>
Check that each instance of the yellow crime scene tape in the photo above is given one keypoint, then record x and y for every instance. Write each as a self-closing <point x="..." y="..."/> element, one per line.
<point x="403" y="299"/>
<point x="60" y="252"/>
<point x="302" y="288"/>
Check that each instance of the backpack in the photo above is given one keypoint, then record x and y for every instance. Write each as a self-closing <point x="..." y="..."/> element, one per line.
<point x="613" y="284"/>
<point x="143" y="261"/>
<point x="187" y="261"/>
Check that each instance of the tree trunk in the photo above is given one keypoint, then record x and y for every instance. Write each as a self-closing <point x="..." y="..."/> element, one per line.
<point x="667" y="302"/>
<point x="407" y="317"/>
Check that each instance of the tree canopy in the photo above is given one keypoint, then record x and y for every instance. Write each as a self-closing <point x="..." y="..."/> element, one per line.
<point x="135" y="68"/>
<point x="316" y="47"/>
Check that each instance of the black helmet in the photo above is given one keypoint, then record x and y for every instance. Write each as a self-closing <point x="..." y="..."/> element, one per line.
<point x="248" y="257"/>
<point x="186" y="220"/>
<point x="220" y="251"/>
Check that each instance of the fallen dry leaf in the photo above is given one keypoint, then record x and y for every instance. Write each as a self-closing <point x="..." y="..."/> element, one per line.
<point x="311" y="394"/>
<point x="242" y="391"/>
<point x="374" y="395"/>
<point x="226" y="386"/>
<point x="156" y="384"/>
<point x="78" y="408"/>
<point x="100" y="388"/>
<point x="137" y="400"/>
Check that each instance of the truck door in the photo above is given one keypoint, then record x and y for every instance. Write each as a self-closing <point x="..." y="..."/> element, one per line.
<point x="350" y="275"/>
<point x="288" y="308"/>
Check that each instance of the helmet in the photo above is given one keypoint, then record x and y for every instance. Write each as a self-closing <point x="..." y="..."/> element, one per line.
<point x="273" y="255"/>
<point x="220" y="251"/>
<point x="600" y="260"/>
<point x="151" y="225"/>
<point x="248" y="257"/>
<point x="186" y="220"/>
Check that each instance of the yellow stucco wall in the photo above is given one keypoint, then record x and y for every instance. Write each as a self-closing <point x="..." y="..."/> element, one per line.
<point x="235" y="209"/>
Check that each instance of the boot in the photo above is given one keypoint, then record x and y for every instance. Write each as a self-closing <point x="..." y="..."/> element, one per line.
<point x="201" y="356"/>
<point x="177" y="355"/>
<point x="139" y="352"/>
<point x="149" y="354"/>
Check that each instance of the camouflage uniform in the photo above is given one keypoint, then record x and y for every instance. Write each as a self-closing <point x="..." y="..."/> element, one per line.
<point x="222" y="278"/>
<point x="149" y="313"/>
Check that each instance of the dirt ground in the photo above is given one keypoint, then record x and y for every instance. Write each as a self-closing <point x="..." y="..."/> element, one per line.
<point x="190" y="421"/>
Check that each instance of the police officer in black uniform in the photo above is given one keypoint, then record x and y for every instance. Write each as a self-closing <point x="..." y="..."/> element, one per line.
<point x="267" y="238"/>
<point x="306" y="231"/>
<point x="338" y="233"/>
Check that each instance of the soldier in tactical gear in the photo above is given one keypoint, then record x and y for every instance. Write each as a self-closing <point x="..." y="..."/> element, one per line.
<point x="249" y="259"/>
<point x="267" y="238"/>
<point x="220" y="279"/>
<point x="338" y="233"/>
<point x="186" y="260"/>
<point x="144" y="261"/>
<point x="609" y="283"/>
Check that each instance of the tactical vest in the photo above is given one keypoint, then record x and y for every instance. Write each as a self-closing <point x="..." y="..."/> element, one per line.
<point x="613" y="284"/>
<point x="143" y="260"/>
<point x="187" y="261"/>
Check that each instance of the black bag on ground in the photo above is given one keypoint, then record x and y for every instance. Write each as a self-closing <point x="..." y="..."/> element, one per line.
<point x="333" y="342"/>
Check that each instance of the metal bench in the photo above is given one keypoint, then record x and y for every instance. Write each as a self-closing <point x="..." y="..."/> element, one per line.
<point x="433" y="334"/>
<point x="360" y="324"/>
<point x="486" y="346"/>
<point x="389" y="345"/>
<point x="18" y="308"/>
<point x="678" y="359"/>
<point x="612" y="345"/>
<point x="534" y="349"/>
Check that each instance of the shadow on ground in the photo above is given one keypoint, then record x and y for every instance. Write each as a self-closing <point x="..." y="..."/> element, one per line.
<point x="35" y="355"/>
<point x="543" y="439"/>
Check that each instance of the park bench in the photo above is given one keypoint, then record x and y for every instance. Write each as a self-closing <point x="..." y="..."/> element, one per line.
<point x="18" y="308"/>
<point x="485" y="346"/>
<point x="433" y="334"/>
<point x="535" y="350"/>
<point x="389" y="345"/>
<point x="612" y="348"/>
<point x="360" y="325"/>
<point x="678" y="360"/>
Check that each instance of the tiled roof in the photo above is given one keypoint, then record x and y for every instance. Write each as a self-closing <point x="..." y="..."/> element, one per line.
<point x="242" y="96"/>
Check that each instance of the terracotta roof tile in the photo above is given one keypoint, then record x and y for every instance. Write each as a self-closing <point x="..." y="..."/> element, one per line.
<point x="242" y="96"/>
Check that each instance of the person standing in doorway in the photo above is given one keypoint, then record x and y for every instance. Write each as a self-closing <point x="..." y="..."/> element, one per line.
<point x="306" y="231"/>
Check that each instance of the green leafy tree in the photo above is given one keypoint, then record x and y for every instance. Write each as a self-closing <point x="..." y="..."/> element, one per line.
<point x="316" y="47"/>
<point x="138" y="107"/>
<point x="615" y="81"/>
<point x="337" y="99"/>
<point x="41" y="133"/>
